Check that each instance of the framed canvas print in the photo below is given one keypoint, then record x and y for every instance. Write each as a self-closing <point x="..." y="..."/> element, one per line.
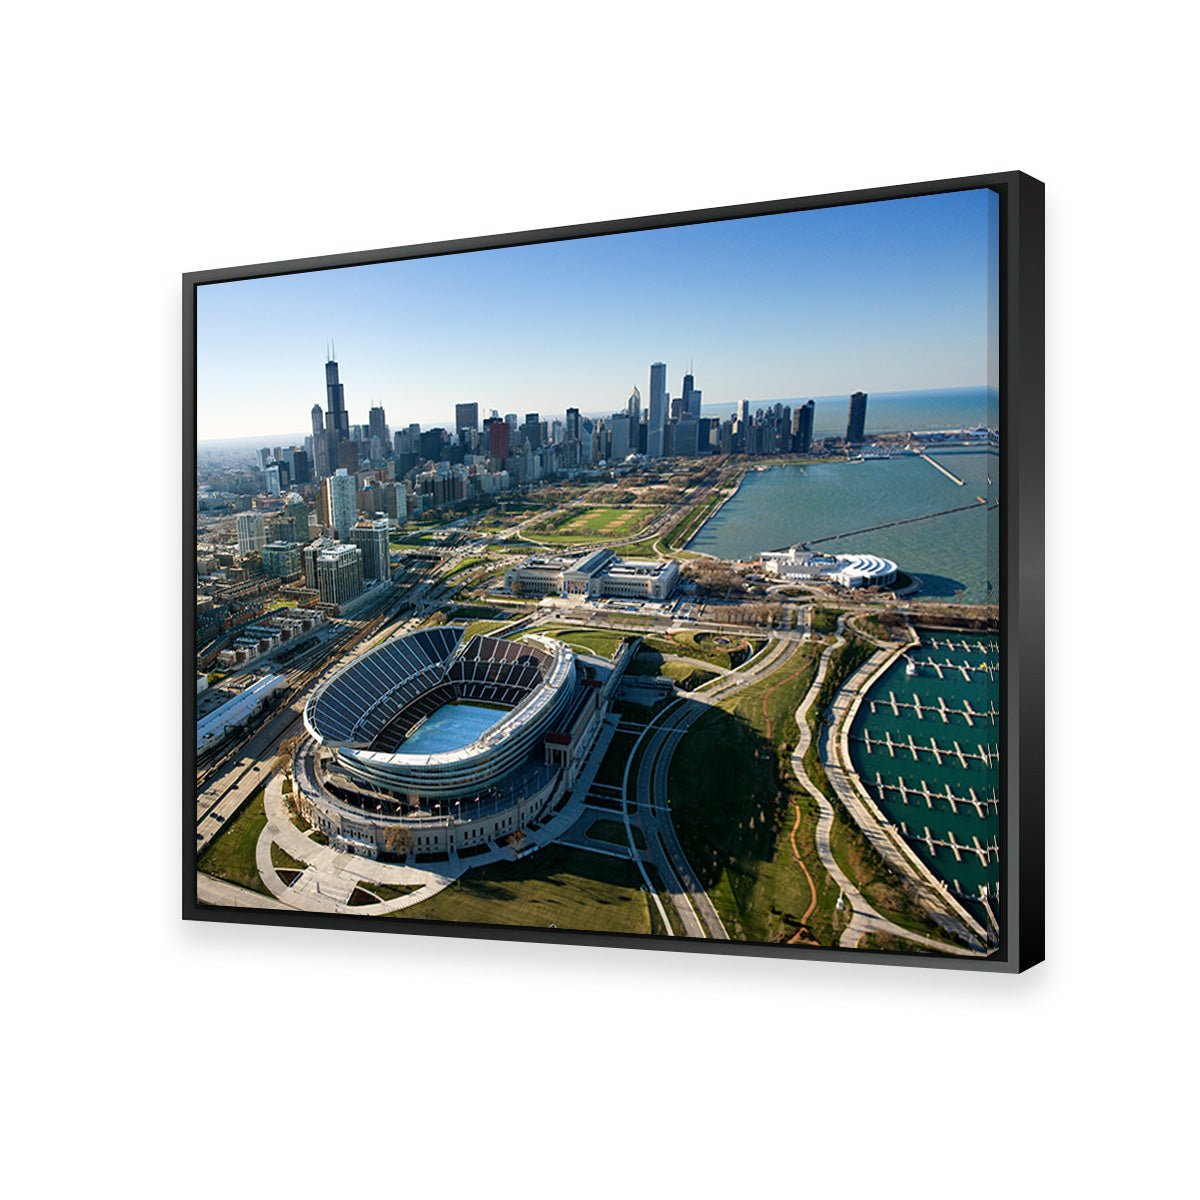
<point x="672" y="582"/>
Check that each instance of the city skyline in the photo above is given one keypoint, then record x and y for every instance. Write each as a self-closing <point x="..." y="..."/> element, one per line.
<point x="881" y="297"/>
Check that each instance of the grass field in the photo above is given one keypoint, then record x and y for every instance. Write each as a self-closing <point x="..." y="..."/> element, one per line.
<point x="566" y="888"/>
<point x="824" y="620"/>
<point x="478" y="627"/>
<point x="603" y="642"/>
<point x="281" y="858"/>
<point x="389" y="891"/>
<point x="733" y="800"/>
<point x="721" y="650"/>
<point x="594" y="524"/>
<point x="688" y="676"/>
<point x="230" y="855"/>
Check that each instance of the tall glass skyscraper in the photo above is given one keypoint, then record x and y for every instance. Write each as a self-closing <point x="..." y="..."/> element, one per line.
<point x="856" y="424"/>
<point x="657" y="422"/>
<point x="338" y="420"/>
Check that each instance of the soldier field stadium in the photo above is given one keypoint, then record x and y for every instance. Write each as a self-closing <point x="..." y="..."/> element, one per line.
<point x="457" y="741"/>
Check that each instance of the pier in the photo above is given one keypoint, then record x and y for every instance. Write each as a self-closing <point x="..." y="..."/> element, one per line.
<point x="945" y="512"/>
<point x="949" y="474"/>
<point x="921" y="711"/>
<point x="915" y="793"/>
<point x="931" y="844"/>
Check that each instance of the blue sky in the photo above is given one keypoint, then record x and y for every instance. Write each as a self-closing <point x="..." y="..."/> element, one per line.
<point x="874" y="297"/>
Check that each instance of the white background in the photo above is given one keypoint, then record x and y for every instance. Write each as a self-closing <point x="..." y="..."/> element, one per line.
<point x="145" y="1057"/>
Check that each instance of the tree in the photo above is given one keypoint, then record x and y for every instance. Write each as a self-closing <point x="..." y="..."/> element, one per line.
<point x="398" y="841"/>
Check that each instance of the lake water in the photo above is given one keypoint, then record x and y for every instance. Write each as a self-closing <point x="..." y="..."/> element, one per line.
<point x="956" y="554"/>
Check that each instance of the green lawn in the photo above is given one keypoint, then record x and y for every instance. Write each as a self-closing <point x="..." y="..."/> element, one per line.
<point x="603" y="642"/>
<point x="719" y="649"/>
<point x="389" y="891"/>
<point x="733" y="800"/>
<point x="824" y="620"/>
<point x="230" y="855"/>
<point x="478" y="627"/>
<point x="593" y="524"/>
<point x="687" y="675"/>
<point x="281" y="858"/>
<point x="567" y="888"/>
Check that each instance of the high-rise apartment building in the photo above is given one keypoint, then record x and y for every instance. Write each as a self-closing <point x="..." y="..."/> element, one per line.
<point x="251" y="533"/>
<point x="657" y="422"/>
<point x="342" y="487"/>
<point x="370" y="535"/>
<point x="295" y="510"/>
<point x="339" y="574"/>
<point x="856" y="425"/>
<point x="309" y="555"/>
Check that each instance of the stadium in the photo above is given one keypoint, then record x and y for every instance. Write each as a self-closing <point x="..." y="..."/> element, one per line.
<point x="460" y="741"/>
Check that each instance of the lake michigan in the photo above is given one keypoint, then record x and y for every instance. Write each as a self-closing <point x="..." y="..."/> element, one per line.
<point x="956" y="554"/>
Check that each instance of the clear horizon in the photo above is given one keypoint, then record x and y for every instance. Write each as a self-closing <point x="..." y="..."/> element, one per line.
<point x="891" y="296"/>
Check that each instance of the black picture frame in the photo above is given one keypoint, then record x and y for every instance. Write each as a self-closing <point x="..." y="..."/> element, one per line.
<point x="1021" y="634"/>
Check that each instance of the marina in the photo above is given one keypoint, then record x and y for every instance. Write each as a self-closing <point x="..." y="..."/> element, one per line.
<point x="925" y="747"/>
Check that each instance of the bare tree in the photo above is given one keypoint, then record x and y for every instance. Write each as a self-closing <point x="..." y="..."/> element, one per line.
<point x="398" y="841"/>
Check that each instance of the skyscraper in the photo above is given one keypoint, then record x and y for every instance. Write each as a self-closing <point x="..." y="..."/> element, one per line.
<point x="339" y="574"/>
<point x="620" y="426"/>
<point x="338" y="420"/>
<point x="466" y="416"/>
<point x="658" y="410"/>
<point x="802" y="427"/>
<point x="251" y="533"/>
<point x="370" y="535"/>
<point x="857" y="423"/>
<point x="342" y="502"/>
<point x="296" y="511"/>
<point x="498" y="440"/>
<point x="533" y="430"/>
<point x="691" y="397"/>
<point x="378" y="424"/>
<point x="634" y="407"/>
<point x="318" y="420"/>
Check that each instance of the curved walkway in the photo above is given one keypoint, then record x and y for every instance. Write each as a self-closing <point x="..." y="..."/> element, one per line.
<point x="865" y="919"/>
